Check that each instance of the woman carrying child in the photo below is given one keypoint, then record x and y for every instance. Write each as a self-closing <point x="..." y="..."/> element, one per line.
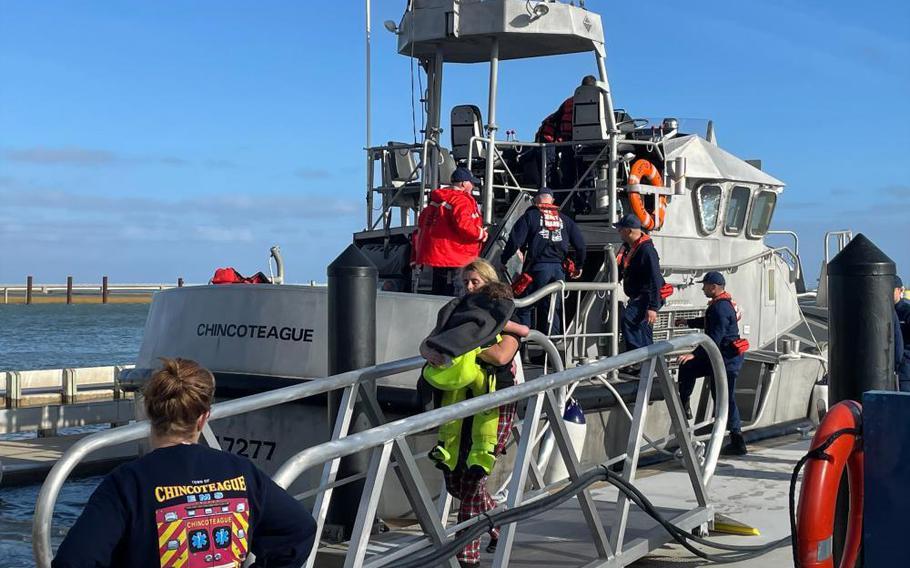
<point x="471" y="352"/>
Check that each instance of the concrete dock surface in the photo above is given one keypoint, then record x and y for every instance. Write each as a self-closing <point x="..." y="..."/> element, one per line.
<point x="28" y="460"/>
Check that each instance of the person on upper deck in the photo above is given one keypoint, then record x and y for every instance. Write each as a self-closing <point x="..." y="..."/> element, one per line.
<point x="450" y="231"/>
<point x="543" y="236"/>
<point x="720" y="324"/>
<point x="902" y="336"/>
<point x="183" y="500"/>
<point x="557" y="127"/>
<point x="642" y="282"/>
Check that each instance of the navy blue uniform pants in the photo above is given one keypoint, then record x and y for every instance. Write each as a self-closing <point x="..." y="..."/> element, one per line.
<point x="543" y="274"/>
<point x="701" y="367"/>
<point x="634" y="323"/>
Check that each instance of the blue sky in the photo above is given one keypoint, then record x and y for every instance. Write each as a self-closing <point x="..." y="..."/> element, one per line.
<point x="150" y="140"/>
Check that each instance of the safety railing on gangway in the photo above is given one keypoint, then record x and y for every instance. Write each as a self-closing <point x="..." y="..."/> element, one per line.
<point x="540" y="394"/>
<point x="388" y="439"/>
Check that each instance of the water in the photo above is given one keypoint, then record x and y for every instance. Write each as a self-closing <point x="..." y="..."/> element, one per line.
<point x="53" y="336"/>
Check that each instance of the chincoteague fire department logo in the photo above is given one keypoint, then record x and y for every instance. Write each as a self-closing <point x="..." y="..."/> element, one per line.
<point x="203" y="524"/>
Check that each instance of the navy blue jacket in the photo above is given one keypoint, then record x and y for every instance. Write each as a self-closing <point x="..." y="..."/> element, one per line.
<point x="642" y="279"/>
<point x="720" y="325"/>
<point x="204" y="501"/>
<point x="542" y="246"/>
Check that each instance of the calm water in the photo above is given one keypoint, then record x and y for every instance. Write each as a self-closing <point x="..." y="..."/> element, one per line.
<point x="51" y="337"/>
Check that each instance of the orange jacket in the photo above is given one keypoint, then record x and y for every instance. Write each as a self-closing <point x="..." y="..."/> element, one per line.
<point x="449" y="229"/>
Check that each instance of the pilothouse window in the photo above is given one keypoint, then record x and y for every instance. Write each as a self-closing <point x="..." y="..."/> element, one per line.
<point x="760" y="219"/>
<point x="736" y="210"/>
<point x="709" y="207"/>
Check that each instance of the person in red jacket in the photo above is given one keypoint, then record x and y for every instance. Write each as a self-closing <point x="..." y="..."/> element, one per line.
<point x="450" y="231"/>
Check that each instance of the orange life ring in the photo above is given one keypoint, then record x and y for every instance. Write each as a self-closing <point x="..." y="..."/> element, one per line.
<point x="644" y="170"/>
<point x="818" y="498"/>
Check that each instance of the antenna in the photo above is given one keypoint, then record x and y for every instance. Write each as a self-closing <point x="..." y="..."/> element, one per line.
<point x="369" y="122"/>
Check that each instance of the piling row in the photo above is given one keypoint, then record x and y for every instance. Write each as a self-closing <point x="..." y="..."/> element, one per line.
<point x="105" y="289"/>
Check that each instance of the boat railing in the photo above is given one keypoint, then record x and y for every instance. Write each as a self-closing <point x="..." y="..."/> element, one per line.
<point x="422" y="173"/>
<point x="541" y="395"/>
<point x="842" y="239"/>
<point x="388" y="439"/>
<point x="575" y="333"/>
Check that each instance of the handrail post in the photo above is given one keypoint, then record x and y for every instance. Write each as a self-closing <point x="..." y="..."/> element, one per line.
<point x="491" y="134"/>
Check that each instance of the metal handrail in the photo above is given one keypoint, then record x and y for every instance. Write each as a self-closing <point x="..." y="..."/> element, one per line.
<point x="560" y="285"/>
<point x="381" y="436"/>
<point x="50" y="490"/>
<point x="789" y="233"/>
<point x="844" y="236"/>
<point x="680" y="269"/>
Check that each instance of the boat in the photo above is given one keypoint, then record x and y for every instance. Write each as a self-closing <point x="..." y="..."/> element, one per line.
<point x="712" y="211"/>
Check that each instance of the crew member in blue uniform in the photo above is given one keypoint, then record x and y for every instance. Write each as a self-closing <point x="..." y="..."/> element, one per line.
<point x="720" y="324"/>
<point x="639" y="270"/>
<point x="902" y="336"/>
<point x="543" y="234"/>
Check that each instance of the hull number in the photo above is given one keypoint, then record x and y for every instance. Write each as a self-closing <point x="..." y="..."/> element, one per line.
<point x="253" y="449"/>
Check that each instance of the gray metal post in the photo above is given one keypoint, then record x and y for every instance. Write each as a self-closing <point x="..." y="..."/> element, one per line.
<point x="352" y="282"/>
<point x="611" y="125"/>
<point x="491" y="134"/>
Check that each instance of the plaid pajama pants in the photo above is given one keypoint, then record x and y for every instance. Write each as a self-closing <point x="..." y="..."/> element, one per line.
<point x="470" y="488"/>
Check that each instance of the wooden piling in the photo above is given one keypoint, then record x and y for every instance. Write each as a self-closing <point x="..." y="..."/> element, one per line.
<point x="69" y="289"/>
<point x="28" y="290"/>
<point x="104" y="290"/>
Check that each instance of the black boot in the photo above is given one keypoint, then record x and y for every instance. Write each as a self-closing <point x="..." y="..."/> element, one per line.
<point x="687" y="409"/>
<point x="736" y="447"/>
<point x="491" y="548"/>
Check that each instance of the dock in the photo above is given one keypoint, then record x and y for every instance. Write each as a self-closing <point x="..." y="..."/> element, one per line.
<point x="48" y="401"/>
<point x="752" y="489"/>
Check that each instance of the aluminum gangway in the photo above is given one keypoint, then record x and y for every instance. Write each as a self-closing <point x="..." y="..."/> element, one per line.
<point x="388" y="447"/>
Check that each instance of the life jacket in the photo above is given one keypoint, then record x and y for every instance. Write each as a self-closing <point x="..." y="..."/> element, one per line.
<point x="463" y="376"/>
<point x="738" y="345"/>
<point x="230" y="275"/>
<point x="626" y="253"/>
<point x="565" y="119"/>
<point x="557" y="127"/>
<point x="549" y="216"/>
<point x="624" y="259"/>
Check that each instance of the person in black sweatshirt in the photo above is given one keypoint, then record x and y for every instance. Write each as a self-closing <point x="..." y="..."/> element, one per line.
<point x="184" y="504"/>
<point x="639" y="270"/>
<point x="543" y="235"/>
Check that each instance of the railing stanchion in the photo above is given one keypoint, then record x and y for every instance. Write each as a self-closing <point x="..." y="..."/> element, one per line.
<point x="369" y="500"/>
<point x="633" y="449"/>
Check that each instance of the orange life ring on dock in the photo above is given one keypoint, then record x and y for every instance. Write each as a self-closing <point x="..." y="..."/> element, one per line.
<point x="818" y="498"/>
<point x="644" y="170"/>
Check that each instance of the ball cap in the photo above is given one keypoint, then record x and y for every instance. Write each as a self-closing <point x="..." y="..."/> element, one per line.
<point x="628" y="222"/>
<point x="464" y="174"/>
<point x="714" y="278"/>
<point x="545" y="191"/>
<point x="898" y="283"/>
